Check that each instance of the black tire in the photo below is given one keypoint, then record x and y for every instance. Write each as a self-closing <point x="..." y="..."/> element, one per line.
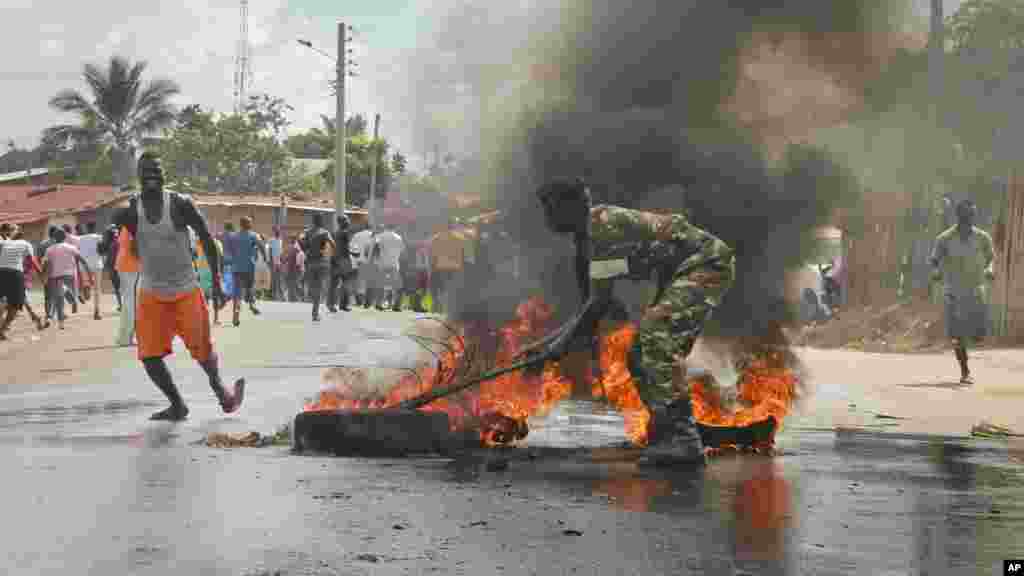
<point x="371" y="432"/>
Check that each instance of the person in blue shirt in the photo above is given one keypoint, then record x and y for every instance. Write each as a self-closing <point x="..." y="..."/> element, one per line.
<point x="244" y="246"/>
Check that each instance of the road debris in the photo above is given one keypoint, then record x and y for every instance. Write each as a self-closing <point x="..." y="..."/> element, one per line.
<point x="986" y="429"/>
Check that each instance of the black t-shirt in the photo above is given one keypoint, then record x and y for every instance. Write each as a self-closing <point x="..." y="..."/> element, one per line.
<point x="317" y="243"/>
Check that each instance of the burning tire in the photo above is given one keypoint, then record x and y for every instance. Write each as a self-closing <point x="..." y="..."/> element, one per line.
<point x="752" y="436"/>
<point x="371" y="432"/>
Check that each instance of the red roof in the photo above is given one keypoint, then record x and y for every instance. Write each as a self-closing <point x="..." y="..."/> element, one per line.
<point x="23" y="204"/>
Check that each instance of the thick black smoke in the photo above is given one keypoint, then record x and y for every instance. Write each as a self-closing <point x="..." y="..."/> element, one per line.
<point x="645" y="126"/>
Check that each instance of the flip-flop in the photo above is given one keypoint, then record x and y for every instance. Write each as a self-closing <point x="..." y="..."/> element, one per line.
<point x="237" y="396"/>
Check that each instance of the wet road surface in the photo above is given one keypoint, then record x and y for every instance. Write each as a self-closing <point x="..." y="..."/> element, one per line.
<point x="92" y="487"/>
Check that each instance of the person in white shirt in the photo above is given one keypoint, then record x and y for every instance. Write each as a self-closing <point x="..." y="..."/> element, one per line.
<point x="389" y="250"/>
<point x="361" y="247"/>
<point x="12" y="275"/>
<point x="88" y="246"/>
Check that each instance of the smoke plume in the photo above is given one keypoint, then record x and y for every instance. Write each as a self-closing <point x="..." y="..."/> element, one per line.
<point x="670" y="104"/>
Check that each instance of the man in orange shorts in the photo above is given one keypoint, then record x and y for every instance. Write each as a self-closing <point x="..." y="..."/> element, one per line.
<point x="170" y="302"/>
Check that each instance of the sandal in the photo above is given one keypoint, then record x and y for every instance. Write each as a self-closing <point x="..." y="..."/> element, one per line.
<point x="967" y="380"/>
<point x="233" y="403"/>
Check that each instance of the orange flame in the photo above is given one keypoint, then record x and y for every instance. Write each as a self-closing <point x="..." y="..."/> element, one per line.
<point x="499" y="408"/>
<point x="767" y="389"/>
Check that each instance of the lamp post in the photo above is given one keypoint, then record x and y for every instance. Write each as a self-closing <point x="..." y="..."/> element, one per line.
<point x="340" y="172"/>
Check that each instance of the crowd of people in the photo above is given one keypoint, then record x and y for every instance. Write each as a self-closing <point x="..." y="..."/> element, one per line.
<point x="369" y="267"/>
<point x="66" y="264"/>
<point x="375" y="267"/>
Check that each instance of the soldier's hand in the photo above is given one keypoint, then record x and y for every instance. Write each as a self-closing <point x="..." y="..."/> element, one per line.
<point x="706" y="278"/>
<point x="657" y="313"/>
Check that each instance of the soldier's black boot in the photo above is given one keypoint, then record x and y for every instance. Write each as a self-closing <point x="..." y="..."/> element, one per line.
<point x="673" y="438"/>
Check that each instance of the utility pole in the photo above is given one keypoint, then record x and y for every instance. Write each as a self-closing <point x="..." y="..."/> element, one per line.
<point x="936" y="50"/>
<point x="340" y="197"/>
<point x="373" y="172"/>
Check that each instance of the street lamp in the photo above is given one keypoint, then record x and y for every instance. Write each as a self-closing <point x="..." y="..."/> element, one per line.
<point x="340" y="196"/>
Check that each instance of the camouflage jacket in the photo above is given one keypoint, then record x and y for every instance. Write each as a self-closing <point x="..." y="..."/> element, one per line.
<point x="664" y="245"/>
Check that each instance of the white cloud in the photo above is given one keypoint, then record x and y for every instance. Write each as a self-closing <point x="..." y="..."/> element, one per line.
<point x="193" y="42"/>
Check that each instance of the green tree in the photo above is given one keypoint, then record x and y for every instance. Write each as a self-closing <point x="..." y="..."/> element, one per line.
<point x="268" y="113"/>
<point x="398" y="163"/>
<point x="121" y="110"/>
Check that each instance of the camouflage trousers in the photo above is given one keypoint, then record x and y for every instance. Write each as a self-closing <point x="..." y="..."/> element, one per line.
<point x="659" y="343"/>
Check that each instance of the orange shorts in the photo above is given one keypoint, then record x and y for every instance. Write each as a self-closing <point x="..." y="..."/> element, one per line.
<point x="158" y="319"/>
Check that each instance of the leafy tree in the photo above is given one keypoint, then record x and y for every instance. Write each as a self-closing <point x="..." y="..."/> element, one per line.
<point x="398" y="163"/>
<point x="268" y="113"/>
<point x="121" y="111"/>
<point x="359" y="154"/>
<point x="991" y="26"/>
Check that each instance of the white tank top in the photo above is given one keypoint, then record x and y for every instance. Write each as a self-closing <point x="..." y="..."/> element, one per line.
<point x="165" y="254"/>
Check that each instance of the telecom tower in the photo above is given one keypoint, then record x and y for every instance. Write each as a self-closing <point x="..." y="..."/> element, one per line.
<point x="243" y="66"/>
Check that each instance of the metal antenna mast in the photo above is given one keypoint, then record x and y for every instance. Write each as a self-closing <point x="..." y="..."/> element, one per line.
<point x="243" y="71"/>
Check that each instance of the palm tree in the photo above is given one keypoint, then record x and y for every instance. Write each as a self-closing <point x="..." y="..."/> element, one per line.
<point x="120" y="113"/>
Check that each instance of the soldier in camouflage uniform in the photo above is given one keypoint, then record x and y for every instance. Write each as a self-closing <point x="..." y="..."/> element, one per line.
<point x="690" y="271"/>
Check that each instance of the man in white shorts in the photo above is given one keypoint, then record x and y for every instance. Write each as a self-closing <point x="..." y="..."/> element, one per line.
<point x="88" y="246"/>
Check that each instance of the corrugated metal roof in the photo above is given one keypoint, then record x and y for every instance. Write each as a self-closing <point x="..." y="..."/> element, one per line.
<point x="217" y="200"/>
<point x="23" y="204"/>
<point x="15" y="176"/>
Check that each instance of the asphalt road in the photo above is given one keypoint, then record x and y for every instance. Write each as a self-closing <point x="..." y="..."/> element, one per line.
<point x="92" y="487"/>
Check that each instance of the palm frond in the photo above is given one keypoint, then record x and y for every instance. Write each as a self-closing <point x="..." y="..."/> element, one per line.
<point x="133" y="84"/>
<point x="328" y="124"/>
<point x="71" y="101"/>
<point x="151" y="121"/>
<point x="156" y="95"/>
<point x="98" y="81"/>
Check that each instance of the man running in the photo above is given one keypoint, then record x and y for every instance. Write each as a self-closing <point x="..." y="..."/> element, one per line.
<point x="13" y="253"/>
<point x="89" y="246"/>
<point x="62" y="262"/>
<point x="318" y="244"/>
<point x="962" y="259"/>
<point x="244" y="246"/>
<point x="170" y="302"/>
<point x="50" y="240"/>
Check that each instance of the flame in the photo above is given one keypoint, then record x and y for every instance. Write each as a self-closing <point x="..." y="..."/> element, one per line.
<point x="767" y="389"/>
<point x="616" y="382"/>
<point x="500" y="408"/>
